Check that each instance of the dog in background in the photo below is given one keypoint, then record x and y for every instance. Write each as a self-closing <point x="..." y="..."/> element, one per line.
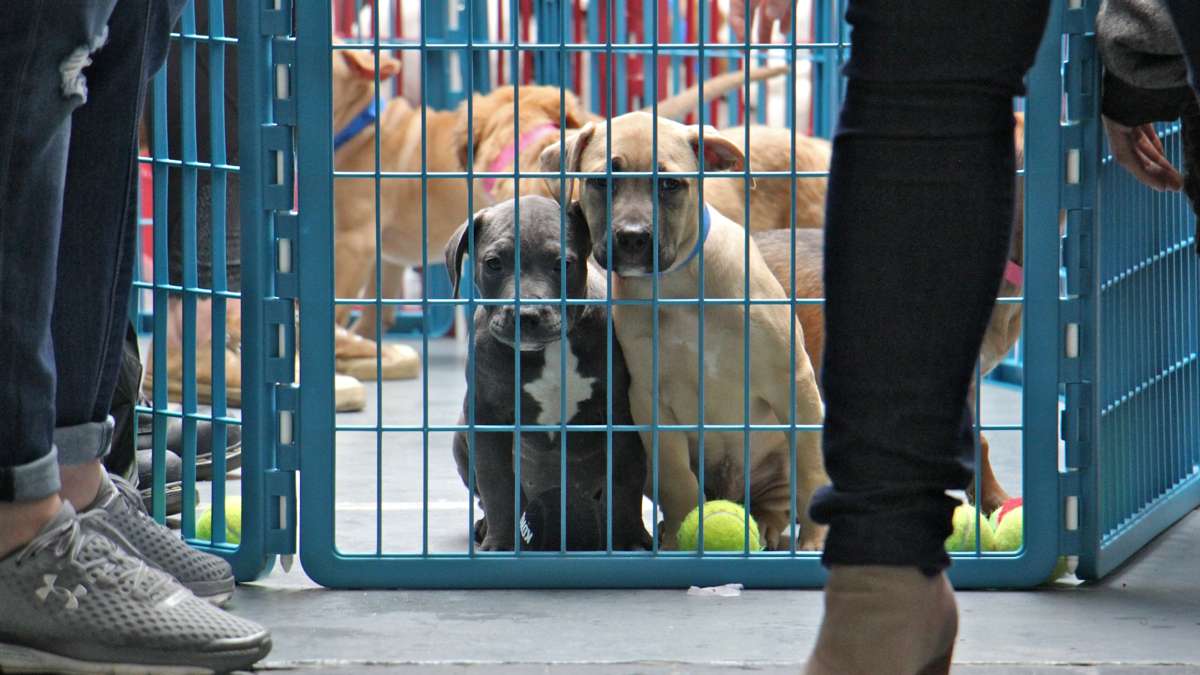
<point x="543" y="355"/>
<point x="731" y="391"/>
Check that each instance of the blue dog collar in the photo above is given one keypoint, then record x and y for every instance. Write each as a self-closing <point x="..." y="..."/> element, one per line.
<point x="356" y="125"/>
<point x="704" y="223"/>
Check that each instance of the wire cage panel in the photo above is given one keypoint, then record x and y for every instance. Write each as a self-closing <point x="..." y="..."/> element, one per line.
<point x="383" y="504"/>
<point x="204" y="108"/>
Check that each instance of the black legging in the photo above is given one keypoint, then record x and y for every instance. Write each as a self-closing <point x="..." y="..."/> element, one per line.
<point x="920" y="208"/>
<point x="205" y="178"/>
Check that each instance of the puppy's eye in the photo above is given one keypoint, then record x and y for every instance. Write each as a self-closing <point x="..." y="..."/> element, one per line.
<point x="568" y="262"/>
<point x="670" y="184"/>
<point x="600" y="184"/>
<point x="493" y="263"/>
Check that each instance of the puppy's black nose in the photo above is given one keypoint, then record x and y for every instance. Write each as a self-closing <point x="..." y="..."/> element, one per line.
<point x="531" y="318"/>
<point x="632" y="240"/>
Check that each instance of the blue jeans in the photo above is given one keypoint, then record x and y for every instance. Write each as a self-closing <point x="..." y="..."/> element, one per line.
<point x="73" y="75"/>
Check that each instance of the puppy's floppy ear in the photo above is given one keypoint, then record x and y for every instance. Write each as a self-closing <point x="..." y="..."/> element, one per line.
<point x="577" y="225"/>
<point x="552" y="155"/>
<point x="720" y="154"/>
<point x="362" y="64"/>
<point x="457" y="247"/>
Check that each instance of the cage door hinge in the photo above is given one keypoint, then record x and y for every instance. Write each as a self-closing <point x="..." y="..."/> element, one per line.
<point x="1069" y="484"/>
<point x="1079" y="16"/>
<point x="276" y="17"/>
<point x="279" y="308"/>
<point x="1077" y="252"/>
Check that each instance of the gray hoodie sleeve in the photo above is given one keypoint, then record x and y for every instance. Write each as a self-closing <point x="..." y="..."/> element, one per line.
<point x="1138" y="43"/>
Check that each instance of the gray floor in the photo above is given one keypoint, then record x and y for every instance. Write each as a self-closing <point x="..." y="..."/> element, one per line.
<point x="1143" y="619"/>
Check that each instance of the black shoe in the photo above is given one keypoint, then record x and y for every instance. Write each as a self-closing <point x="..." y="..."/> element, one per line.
<point x="204" y="443"/>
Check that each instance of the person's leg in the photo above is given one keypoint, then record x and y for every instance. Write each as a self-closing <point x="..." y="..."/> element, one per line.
<point x="96" y="247"/>
<point x="917" y="227"/>
<point x="42" y="51"/>
<point x="216" y="191"/>
<point x="95" y="267"/>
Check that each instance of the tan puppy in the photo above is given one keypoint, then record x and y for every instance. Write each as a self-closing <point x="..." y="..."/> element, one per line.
<point x="682" y="234"/>
<point x="1002" y="332"/>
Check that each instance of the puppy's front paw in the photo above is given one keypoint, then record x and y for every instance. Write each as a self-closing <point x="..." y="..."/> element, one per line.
<point x="812" y="538"/>
<point x="773" y="539"/>
<point x="668" y="542"/>
<point x="639" y="541"/>
<point x="496" y="543"/>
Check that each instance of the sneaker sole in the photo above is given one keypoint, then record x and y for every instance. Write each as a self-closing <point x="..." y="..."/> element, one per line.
<point x="215" y="592"/>
<point x="21" y="659"/>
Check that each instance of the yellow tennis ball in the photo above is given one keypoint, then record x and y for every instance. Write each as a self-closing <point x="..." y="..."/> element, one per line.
<point x="724" y="528"/>
<point x="963" y="536"/>
<point x="233" y="521"/>
<point x="1008" y="522"/>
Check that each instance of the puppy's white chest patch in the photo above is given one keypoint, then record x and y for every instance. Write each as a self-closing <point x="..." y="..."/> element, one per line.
<point x="546" y="391"/>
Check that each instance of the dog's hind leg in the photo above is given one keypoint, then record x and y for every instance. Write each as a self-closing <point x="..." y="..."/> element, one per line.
<point x="771" y="508"/>
<point x="993" y="494"/>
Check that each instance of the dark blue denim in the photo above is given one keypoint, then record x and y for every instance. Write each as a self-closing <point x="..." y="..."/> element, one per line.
<point x="68" y="141"/>
<point x="919" y="213"/>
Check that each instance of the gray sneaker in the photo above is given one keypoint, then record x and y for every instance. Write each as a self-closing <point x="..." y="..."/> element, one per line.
<point x="119" y="508"/>
<point x="75" y="602"/>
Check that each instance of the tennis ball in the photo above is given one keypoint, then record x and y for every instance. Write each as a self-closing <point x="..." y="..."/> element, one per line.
<point x="724" y="528"/>
<point x="1008" y="521"/>
<point x="233" y="521"/>
<point x="963" y="536"/>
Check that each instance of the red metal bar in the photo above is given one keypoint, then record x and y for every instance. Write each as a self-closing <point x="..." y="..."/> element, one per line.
<point x="577" y="15"/>
<point x="689" y="62"/>
<point x="603" y="62"/>
<point x="526" y="17"/>
<point x="501" y="23"/>
<point x="664" y="37"/>
<point x="635" y="77"/>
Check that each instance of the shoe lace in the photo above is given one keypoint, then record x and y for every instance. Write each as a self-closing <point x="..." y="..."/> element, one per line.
<point x="129" y="494"/>
<point x="95" y="555"/>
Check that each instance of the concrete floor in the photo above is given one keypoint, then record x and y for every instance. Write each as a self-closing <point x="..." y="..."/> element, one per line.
<point x="1143" y="619"/>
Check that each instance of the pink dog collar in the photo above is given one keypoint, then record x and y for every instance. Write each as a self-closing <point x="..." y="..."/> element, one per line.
<point x="1013" y="274"/>
<point x="509" y="154"/>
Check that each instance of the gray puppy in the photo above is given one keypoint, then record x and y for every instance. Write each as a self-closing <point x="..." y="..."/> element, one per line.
<point x="542" y="351"/>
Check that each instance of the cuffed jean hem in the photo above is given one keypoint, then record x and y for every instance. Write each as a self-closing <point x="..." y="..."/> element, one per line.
<point x="83" y="443"/>
<point x="32" y="481"/>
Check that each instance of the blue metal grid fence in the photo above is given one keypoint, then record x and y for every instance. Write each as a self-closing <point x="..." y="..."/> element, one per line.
<point x="382" y="562"/>
<point x="175" y="394"/>
<point x="1121" y="337"/>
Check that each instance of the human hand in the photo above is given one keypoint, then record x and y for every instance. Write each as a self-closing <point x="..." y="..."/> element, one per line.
<point x="769" y="12"/>
<point x="1140" y="151"/>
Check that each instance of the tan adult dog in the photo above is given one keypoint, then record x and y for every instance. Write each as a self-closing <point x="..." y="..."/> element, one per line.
<point x="401" y="208"/>
<point x="1002" y="332"/>
<point x="681" y="235"/>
